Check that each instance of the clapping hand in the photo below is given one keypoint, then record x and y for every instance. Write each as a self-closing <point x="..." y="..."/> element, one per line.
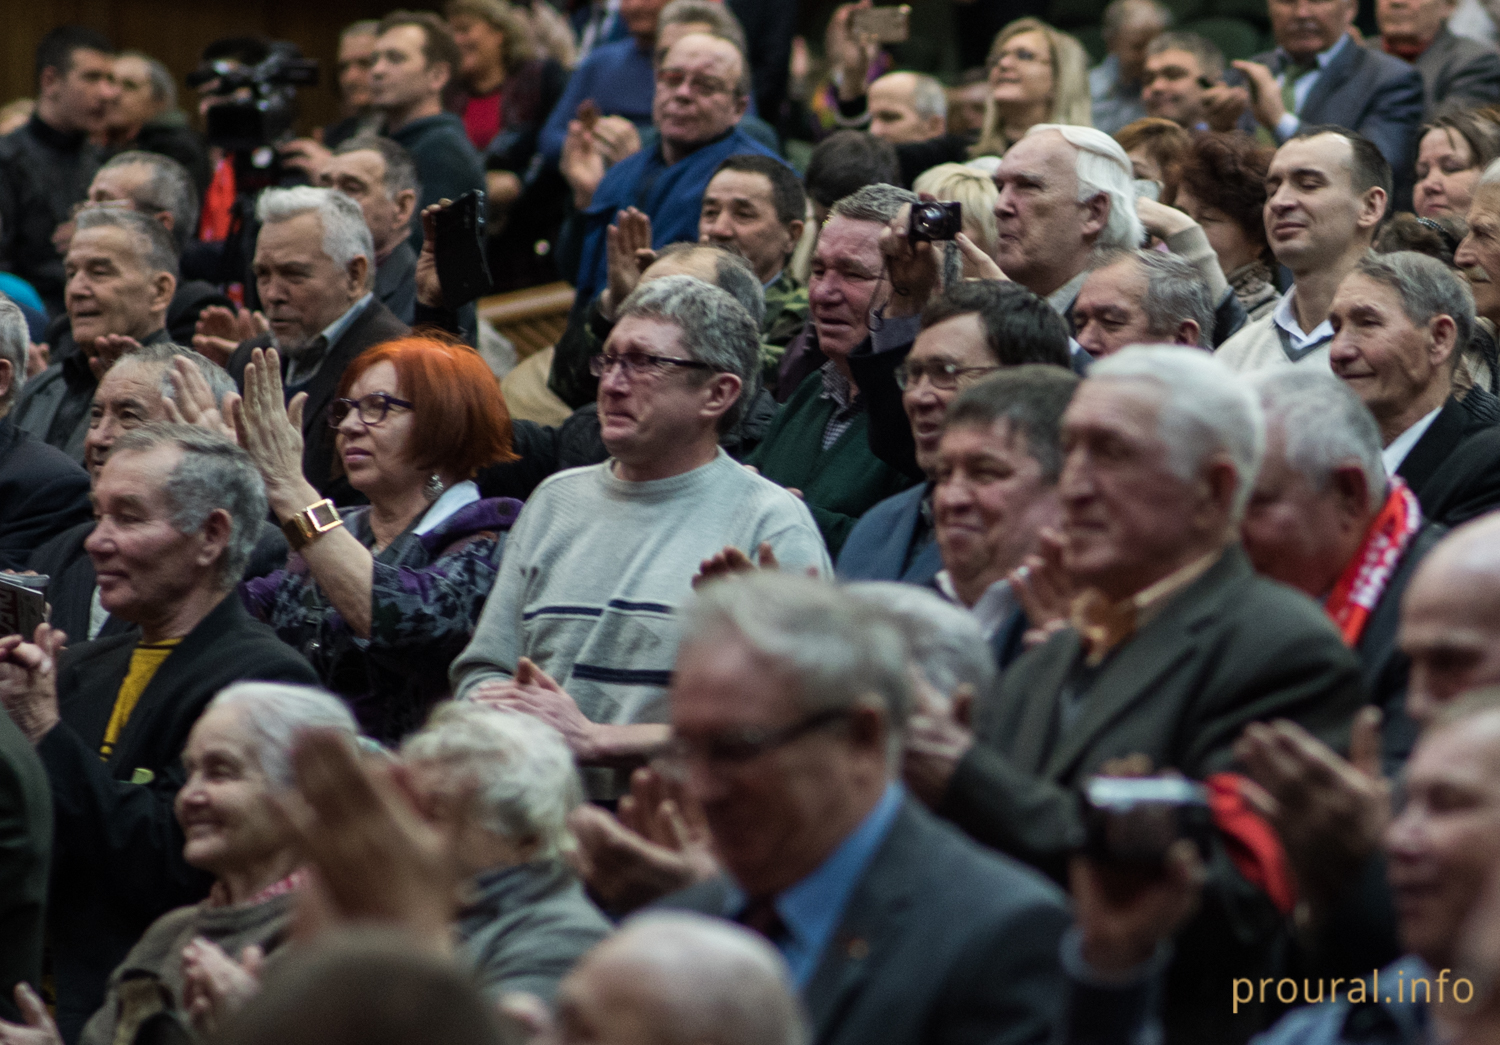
<point x="1044" y="588"/>
<point x="937" y="738"/>
<point x="533" y="692"/>
<point x="214" y="985"/>
<point x="39" y="1029"/>
<point x="219" y="331"/>
<point x="270" y="430"/>
<point x="628" y="253"/>
<point x="194" y="402"/>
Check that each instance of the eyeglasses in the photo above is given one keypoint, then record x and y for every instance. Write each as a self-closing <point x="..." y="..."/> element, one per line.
<point x="736" y="747"/>
<point x="372" y="408"/>
<point x="703" y="86"/>
<point x="1020" y="54"/>
<point x="942" y="375"/>
<point x="640" y="364"/>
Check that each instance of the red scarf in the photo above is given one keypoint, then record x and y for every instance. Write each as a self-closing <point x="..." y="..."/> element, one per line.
<point x="1364" y="579"/>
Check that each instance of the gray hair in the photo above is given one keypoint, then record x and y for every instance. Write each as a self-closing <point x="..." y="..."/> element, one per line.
<point x="400" y="170"/>
<point x="713" y="980"/>
<point x="169" y="189"/>
<point x="1102" y="166"/>
<point x="15" y="340"/>
<point x="163" y="86"/>
<point x="345" y="234"/>
<point x="1031" y="398"/>
<point x="154" y="247"/>
<point x="928" y="98"/>
<point x="715" y="329"/>
<point x="725" y="26"/>
<point x="1121" y="12"/>
<point x="1206" y="409"/>
<point x="732" y="273"/>
<point x="523" y="773"/>
<point x="1426" y="288"/>
<point x="1324" y="425"/>
<point x="840" y="652"/>
<point x="1174" y="292"/>
<point x="213" y="474"/>
<point x="1210" y="58"/>
<point x="162" y="353"/>
<point x="877" y="203"/>
<point x="945" y="641"/>
<point x="275" y="713"/>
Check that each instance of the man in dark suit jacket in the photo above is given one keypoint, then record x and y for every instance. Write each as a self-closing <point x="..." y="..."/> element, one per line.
<point x="1176" y="646"/>
<point x="321" y="309"/>
<point x="41" y="491"/>
<point x="25" y="851"/>
<point x="110" y="720"/>
<point x="1454" y="68"/>
<point x="1319" y="74"/>
<point x="787" y="703"/>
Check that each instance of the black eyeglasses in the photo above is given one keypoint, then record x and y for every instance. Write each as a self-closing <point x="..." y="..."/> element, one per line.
<point x="942" y="374"/>
<point x="372" y="408"/>
<point x="639" y="364"/>
<point x="736" y="747"/>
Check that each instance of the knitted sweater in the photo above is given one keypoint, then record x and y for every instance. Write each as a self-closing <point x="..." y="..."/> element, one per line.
<point x="840" y="483"/>
<point x="1257" y="346"/>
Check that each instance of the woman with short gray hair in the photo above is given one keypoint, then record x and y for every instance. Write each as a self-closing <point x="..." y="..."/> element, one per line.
<point x="502" y="785"/>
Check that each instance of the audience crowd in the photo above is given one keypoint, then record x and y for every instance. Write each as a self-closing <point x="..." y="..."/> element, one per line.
<point x="1006" y="560"/>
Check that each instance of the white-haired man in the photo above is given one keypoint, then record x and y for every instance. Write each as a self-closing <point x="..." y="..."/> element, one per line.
<point x="315" y="271"/>
<point x="1175" y="644"/>
<point x="1064" y="191"/>
<point x="1326" y="191"/>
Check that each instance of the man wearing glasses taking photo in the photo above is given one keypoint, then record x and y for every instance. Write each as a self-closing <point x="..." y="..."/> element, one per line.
<point x="580" y="629"/>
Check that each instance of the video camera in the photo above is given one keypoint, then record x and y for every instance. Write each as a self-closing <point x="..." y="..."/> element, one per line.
<point x="256" y="104"/>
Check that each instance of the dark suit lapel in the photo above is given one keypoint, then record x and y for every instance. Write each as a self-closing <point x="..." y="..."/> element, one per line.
<point x="1331" y="79"/>
<point x="1440" y="439"/>
<point x="1023" y="733"/>
<point x="1132" y="673"/>
<point x="102" y="667"/>
<point x="325" y="382"/>
<point x="874" y="919"/>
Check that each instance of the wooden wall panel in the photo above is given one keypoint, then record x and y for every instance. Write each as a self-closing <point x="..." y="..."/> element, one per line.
<point x="176" y="31"/>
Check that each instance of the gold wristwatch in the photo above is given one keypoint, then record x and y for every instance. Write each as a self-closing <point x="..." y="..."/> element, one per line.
<point x="311" y="523"/>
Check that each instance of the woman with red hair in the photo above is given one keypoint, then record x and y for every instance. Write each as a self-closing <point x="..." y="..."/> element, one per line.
<point x="380" y="599"/>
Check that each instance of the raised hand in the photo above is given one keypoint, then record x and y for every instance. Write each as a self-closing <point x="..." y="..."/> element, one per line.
<point x="214" y="985"/>
<point x="194" y="402"/>
<point x="1125" y="915"/>
<point x="937" y="738"/>
<point x="628" y="253"/>
<point x="38" y="1028"/>
<point x="28" y="680"/>
<point x="533" y="692"/>
<point x="582" y="163"/>
<point x="915" y="269"/>
<point x="1044" y="588"/>
<point x="219" y="331"/>
<point x="1264" y="93"/>
<point x="306" y="155"/>
<point x="977" y="263"/>
<point x="429" y="287"/>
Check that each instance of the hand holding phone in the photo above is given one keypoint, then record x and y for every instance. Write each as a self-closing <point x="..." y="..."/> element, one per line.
<point x="458" y="250"/>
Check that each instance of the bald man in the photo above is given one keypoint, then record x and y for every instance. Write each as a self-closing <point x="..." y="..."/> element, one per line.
<point x="907" y="107"/>
<point x="668" y="978"/>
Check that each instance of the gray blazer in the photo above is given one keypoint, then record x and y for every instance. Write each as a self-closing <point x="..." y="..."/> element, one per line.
<point x="941" y="943"/>
<point x="1455" y="67"/>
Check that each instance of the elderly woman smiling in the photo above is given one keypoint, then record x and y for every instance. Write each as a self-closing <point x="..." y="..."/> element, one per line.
<point x="381" y="599"/>
<point x="238" y="756"/>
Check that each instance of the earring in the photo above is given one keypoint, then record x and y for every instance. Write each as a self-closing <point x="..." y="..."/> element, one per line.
<point x="434" y="488"/>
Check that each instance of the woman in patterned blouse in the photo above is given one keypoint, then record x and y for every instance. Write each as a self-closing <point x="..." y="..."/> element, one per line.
<point x="382" y="603"/>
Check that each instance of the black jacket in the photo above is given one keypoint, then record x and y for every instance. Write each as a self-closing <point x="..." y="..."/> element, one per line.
<point x="117" y="857"/>
<point x="43" y="172"/>
<point x="42" y="492"/>
<point x="396" y="283"/>
<point x="25" y="849"/>
<point x="940" y="943"/>
<point x="447" y="164"/>
<point x="1455" y="467"/>
<point x="372" y="327"/>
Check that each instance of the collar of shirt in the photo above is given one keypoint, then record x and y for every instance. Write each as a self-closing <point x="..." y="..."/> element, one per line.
<point x="1400" y="446"/>
<point x="1322" y="58"/>
<point x="1286" y="319"/>
<point x="1062" y="298"/>
<point x="836" y="387"/>
<point x="303" y="368"/>
<point x="996" y="606"/>
<point x="1104" y="626"/>
<point x="812" y="909"/>
<point x="457" y="496"/>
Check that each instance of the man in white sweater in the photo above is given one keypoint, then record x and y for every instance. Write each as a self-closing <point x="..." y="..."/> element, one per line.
<point x="1326" y="191"/>
<point x="580" y="629"/>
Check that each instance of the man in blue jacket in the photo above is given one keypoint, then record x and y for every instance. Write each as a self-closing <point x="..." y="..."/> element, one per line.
<point x="702" y="90"/>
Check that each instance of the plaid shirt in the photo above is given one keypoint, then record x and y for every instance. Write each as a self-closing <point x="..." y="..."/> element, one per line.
<point x="847" y="407"/>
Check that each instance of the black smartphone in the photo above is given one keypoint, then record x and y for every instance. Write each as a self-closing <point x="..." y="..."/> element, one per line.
<point x="1134" y="821"/>
<point x="458" y="250"/>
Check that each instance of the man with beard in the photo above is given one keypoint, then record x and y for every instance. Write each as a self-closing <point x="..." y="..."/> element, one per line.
<point x="315" y="271"/>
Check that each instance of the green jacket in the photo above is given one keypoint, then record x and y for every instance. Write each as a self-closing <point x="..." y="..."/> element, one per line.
<point x="786" y="315"/>
<point x="840" y="483"/>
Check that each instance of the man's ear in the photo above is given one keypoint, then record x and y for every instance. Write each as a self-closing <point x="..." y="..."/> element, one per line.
<point x="723" y="390"/>
<point x="741" y="106"/>
<point x="439" y="75"/>
<point x="793" y="232"/>
<point x="163" y="286"/>
<point x="1221" y="479"/>
<point x="168" y="222"/>
<point x="7" y="379"/>
<point x="216" y="531"/>
<point x="1096" y="215"/>
<point x="406" y="205"/>
<point x="1372" y="207"/>
<point x="1188" y="333"/>
<point x="1351" y="489"/>
<point x="1444" y="334"/>
<point x="50" y="78"/>
<point x="359" y="275"/>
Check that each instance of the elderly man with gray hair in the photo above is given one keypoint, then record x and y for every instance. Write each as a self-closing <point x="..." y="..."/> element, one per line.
<point x="1139" y="297"/>
<point x="789" y="702"/>
<point x="580" y="629"/>
<point x="501" y="786"/>
<point x="1174" y="645"/>
<point x="42" y="491"/>
<point x="1324" y="519"/>
<point x="315" y="271"/>
<point x="1400" y="323"/>
<point x="178" y="512"/>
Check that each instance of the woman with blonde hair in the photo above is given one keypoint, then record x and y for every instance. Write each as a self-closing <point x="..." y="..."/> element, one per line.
<point x="1037" y="75"/>
<point x="975" y="190"/>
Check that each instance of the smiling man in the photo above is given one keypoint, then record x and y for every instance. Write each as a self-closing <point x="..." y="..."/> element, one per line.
<point x="178" y="511"/>
<point x="1398" y="322"/>
<point x="321" y="307"/>
<point x="1326" y="191"/>
<point x="580" y="629"/>
<point x="122" y="272"/>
